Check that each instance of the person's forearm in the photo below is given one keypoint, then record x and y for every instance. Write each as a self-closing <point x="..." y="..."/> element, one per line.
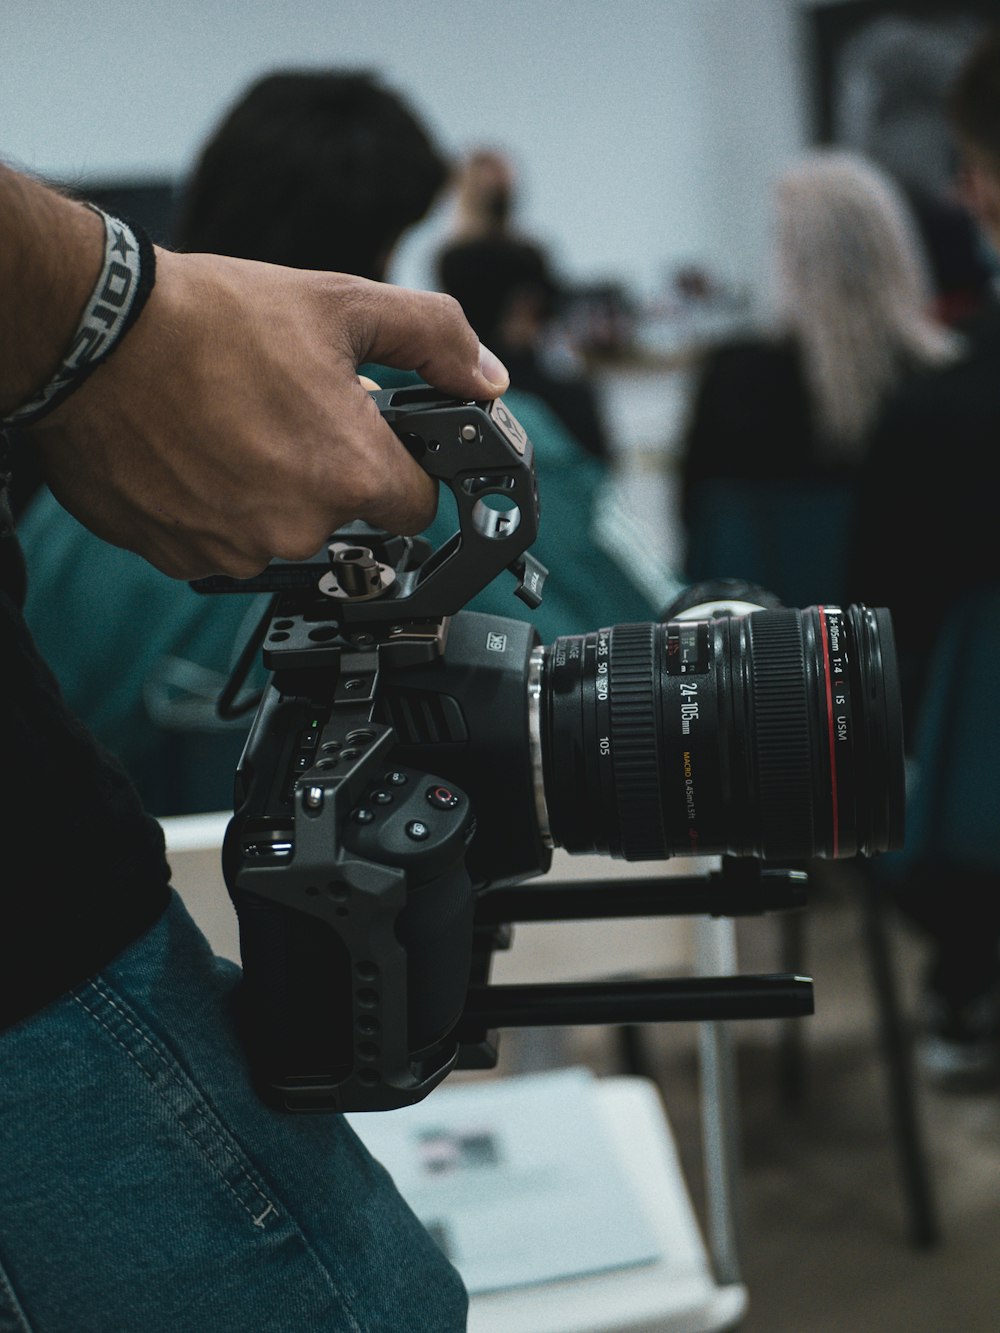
<point x="51" y="249"/>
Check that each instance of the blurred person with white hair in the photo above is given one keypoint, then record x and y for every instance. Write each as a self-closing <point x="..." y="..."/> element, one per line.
<point x="853" y="317"/>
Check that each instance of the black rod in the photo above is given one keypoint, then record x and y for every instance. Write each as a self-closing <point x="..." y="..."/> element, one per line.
<point x="668" y="895"/>
<point x="683" y="1000"/>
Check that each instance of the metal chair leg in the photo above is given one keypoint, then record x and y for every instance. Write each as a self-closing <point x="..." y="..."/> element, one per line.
<point x="897" y="1051"/>
<point x="792" y="1039"/>
<point x="633" y="1052"/>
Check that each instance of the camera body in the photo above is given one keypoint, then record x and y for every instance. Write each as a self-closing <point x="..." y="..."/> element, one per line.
<point x="412" y="764"/>
<point x="351" y="864"/>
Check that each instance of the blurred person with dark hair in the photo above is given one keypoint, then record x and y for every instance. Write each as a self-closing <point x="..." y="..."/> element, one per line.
<point x="508" y="290"/>
<point x="927" y="537"/>
<point x="310" y="164"/>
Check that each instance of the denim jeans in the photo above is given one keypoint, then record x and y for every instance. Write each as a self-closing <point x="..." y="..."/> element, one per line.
<point x="145" y="1188"/>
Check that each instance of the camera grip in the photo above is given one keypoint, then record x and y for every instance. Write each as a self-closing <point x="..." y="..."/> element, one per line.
<point x="356" y="940"/>
<point x="424" y="831"/>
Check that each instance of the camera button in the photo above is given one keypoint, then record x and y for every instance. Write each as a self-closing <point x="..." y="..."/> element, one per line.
<point x="362" y="815"/>
<point x="417" y="830"/>
<point x="381" y="797"/>
<point x="442" y="798"/>
<point x="396" y="779"/>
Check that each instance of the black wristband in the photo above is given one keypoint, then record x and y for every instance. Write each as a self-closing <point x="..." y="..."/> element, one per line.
<point x="122" y="289"/>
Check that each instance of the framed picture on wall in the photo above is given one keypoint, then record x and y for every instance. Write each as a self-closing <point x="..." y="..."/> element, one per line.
<point x="881" y="74"/>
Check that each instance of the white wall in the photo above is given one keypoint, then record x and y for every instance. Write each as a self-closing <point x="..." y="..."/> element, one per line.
<point x="645" y="131"/>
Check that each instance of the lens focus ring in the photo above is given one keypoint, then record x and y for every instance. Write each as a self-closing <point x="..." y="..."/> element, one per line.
<point x="781" y="724"/>
<point x="634" y="681"/>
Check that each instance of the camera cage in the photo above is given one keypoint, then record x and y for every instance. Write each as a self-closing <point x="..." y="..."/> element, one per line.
<point x="372" y="602"/>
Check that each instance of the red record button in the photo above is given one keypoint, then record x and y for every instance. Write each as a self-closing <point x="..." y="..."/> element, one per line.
<point x="442" y="798"/>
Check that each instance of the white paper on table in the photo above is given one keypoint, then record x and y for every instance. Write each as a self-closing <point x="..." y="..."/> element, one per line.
<point x="515" y="1178"/>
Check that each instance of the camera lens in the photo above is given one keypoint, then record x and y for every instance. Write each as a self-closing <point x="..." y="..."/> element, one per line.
<point x="775" y="734"/>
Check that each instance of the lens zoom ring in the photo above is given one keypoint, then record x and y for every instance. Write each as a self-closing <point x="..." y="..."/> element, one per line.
<point x="781" y="716"/>
<point x="633" y="680"/>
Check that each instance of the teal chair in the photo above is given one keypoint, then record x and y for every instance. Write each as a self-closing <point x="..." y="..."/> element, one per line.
<point x="952" y="841"/>
<point x="141" y="658"/>
<point x="790" y="537"/>
<point x="953" y="789"/>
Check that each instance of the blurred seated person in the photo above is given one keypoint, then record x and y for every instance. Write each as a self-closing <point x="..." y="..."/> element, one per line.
<point x="509" y="292"/>
<point x="926" y="540"/>
<point x="310" y="169"/>
<point x="788" y="412"/>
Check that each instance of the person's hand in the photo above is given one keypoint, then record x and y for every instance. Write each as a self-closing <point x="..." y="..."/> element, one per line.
<point x="230" y="426"/>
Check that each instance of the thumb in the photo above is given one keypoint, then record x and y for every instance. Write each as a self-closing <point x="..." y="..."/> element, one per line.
<point x="427" y="332"/>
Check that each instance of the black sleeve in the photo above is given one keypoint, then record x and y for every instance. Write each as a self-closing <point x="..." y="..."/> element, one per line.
<point x="85" y="871"/>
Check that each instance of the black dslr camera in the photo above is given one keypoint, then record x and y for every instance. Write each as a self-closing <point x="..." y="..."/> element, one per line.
<point x="411" y="766"/>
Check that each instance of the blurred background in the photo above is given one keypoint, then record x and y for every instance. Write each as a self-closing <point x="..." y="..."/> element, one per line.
<point x="643" y="143"/>
<point x="638" y="148"/>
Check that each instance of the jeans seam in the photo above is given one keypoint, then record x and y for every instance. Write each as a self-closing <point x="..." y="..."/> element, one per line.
<point x="203" y="1149"/>
<point x="13" y="1305"/>
<point x="270" y="1212"/>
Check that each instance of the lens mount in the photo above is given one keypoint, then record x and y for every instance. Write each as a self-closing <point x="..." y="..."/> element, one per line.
<point x="536" y="669"/>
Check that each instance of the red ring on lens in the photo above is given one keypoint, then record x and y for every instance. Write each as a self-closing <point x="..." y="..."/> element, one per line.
<point x="834" y="785"/>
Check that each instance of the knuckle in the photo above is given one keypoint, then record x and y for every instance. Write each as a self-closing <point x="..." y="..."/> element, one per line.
<point x="301" y="544"/>
<point x="237" y="564"/>
<point x="450" y="311"/>
<point x="420" y="515"/>
<point x="368" y="488"/>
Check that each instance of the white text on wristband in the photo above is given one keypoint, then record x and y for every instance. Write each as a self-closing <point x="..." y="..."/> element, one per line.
<point x="107" y="315"/>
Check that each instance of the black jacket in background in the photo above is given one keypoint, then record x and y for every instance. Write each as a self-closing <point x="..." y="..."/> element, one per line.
<point x="929" y="517"/>
<point x="751" y="418"/>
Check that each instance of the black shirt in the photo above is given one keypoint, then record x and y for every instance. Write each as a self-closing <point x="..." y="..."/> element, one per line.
<point x="928" y="528"/>
<point x="84" y="868"/>
<point x="752" y="419"/>
<point x="761" y="498"/>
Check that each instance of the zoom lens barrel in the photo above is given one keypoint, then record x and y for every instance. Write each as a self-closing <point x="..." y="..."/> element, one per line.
<point x="775" y="734"/>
